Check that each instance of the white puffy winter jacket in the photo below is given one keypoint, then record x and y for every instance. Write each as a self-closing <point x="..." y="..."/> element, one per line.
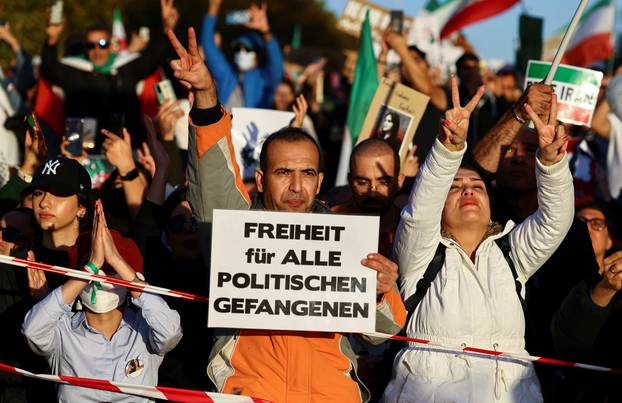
<point x="471" y="304"/>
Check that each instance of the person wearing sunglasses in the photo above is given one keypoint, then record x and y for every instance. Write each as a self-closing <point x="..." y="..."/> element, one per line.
<point x="97" y="47"/>
<point x="100" y="83"/>
<point x="594" y="215"/>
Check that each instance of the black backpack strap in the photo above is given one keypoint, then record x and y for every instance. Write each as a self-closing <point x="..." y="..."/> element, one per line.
<point x="424" y="283"/>
<point x="504" y="244"/>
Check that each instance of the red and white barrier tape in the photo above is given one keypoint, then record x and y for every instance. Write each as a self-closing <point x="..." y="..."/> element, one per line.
<point x="152" y="392"/>
<point x="83" y="275"/>
<point x="485" y="352"/>
<point x="164" y="291"/>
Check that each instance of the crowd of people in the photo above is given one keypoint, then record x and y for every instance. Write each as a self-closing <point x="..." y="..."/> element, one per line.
<point x="492" y="234"/>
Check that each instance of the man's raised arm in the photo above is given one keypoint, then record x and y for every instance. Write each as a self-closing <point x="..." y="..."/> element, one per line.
<point x="214" y="180"/>
<point x="488" y="151"/>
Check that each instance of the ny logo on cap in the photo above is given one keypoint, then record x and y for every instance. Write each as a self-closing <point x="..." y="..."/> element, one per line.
<point x="50" y="167"/>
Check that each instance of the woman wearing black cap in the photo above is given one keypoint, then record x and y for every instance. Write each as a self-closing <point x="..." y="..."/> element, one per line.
<point x="63" y="205"/>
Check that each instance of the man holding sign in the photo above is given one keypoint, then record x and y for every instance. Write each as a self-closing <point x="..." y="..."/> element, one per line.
<point x="274" y="365"/>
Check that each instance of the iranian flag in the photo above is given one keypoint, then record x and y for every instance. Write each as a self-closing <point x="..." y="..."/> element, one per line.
<point x="453" y="15"/>
<point x="118" y="31"/>
<point x="592" y="40"/>
<point x="361" y="97"/>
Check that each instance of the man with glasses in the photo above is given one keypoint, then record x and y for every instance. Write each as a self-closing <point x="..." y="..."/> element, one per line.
<point x="587" y="326"/>
<point x="100" y="85"/>
<point x="594" y="215"/>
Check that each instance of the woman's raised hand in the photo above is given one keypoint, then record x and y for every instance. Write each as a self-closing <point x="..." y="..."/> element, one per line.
<point x="455" y="125"/>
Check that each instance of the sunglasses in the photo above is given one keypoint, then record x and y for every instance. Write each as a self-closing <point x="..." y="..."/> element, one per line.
<point x="597" y="224"/>
<point x="11" y="234"/>
<point x="102" y="44"/>
<point x="180" y="223"/>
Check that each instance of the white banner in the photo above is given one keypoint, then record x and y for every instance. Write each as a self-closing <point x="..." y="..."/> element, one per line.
<point x="292" y="271"/>
<point x="249" y="129"/>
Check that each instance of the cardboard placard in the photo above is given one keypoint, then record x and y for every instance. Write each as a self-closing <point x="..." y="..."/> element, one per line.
<point x="292" y="271"/>
<point x="394" y="115"/>
<point x="379" y="18"/>
<point x="249" y="129"/>
<point x="576" y="88"/>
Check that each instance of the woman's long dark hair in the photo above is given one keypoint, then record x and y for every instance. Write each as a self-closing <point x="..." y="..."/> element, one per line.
<point x="395" y="118"/>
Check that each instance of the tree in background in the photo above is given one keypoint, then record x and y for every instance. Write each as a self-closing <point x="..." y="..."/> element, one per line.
<point x="28" y="19"/>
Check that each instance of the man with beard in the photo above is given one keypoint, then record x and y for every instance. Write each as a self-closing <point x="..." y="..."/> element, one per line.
<point x="374" y="181"/>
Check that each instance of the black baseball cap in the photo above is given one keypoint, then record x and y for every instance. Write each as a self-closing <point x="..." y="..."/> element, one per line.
<point x="62" y="177"/>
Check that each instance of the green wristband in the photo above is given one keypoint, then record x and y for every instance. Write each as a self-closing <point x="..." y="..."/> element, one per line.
<point x="92" y="268"/>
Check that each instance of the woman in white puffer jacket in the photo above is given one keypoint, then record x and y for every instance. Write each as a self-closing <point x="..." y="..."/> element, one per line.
<point x="473" y="299"/>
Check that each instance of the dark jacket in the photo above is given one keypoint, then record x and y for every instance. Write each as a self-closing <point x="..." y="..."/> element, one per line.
<point x="585" y="332"/>
<point x="109" y="98"/>
<point x="183" y="367"/>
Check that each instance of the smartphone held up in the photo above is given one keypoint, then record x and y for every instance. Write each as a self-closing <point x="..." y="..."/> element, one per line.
<point x="56" y="12"/>
<point x="164" y="91"/>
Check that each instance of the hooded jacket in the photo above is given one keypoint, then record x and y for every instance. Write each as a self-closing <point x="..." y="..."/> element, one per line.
<point x="258" y="85"/>
<point x="472" y="303"/>
<point x="279" y="366"/>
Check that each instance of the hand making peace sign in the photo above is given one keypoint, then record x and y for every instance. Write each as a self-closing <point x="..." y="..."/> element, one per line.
<point x="191" y="71"/>
<point x="456" y="121"/>
<point x="552" y="140"/>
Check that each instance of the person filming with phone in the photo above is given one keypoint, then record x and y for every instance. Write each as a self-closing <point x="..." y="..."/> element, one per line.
<point x="258" y="62"/>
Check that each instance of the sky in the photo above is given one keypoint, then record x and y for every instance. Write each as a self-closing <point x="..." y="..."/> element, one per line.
<point x="497" y="37"/>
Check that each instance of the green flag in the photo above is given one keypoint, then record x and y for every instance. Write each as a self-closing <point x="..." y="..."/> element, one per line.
<point x="297" y="37"/>
<point x="363" y="89"/>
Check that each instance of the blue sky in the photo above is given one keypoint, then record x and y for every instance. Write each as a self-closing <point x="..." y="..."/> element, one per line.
<point x="495" y="38"/>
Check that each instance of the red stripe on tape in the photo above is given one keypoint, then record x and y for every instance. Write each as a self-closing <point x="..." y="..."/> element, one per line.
<point x="542" y="360"/>
<point x="482" y="351"/>
<point x="185" y="395"/>
<point x="90" y="383"/>
<point x="69" y="273"/>
<point x="190" y="296"/>
<point x="173" y="394"/>
<point x="9" y="369"/>
<point x="411" y="339"/>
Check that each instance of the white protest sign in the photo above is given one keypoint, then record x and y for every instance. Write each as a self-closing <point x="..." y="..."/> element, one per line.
<point x="249" y="129"/>
<point x="576" y="88"/>
<point x="292" y="271"/>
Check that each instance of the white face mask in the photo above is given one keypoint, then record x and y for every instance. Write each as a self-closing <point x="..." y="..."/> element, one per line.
<point x="245" y="60"/>
<point x="106" y="299"/>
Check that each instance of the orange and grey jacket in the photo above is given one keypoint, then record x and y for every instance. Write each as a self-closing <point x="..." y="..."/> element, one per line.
<point x="274" y="365"/>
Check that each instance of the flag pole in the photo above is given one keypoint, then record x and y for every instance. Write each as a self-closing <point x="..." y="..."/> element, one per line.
<point x="564" y="44"/>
